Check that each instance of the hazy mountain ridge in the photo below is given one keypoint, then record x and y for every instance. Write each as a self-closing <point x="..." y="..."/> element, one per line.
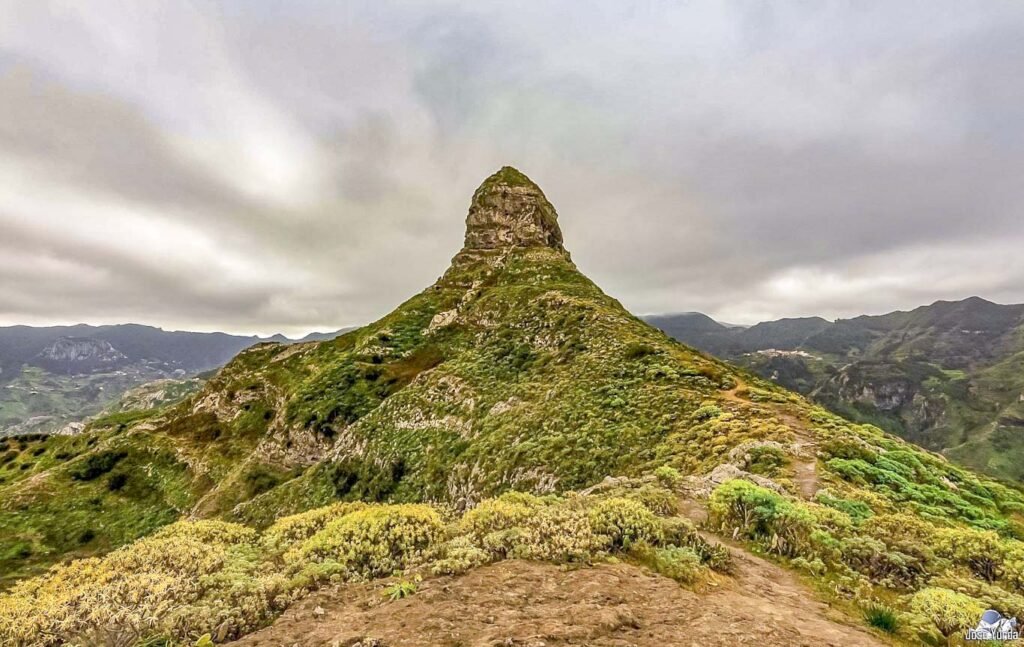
<point x="947" y="375"/>
<point x="51" y="376"/>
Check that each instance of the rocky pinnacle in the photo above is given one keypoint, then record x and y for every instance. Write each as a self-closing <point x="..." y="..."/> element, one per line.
<point x="509" y="210"/>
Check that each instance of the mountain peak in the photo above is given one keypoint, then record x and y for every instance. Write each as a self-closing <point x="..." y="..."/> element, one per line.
<point x="510" y="210"/>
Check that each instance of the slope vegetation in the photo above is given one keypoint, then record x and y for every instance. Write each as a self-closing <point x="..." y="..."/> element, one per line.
<point x="949" y="376"/>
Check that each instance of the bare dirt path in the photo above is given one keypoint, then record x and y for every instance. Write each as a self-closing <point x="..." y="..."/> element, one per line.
<point x="530" y="604"/>
<point x="806" y="477"/>
<point x="805" y="466"/>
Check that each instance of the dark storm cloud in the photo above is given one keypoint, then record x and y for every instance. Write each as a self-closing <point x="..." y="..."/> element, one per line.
<point x="264" y="166"/>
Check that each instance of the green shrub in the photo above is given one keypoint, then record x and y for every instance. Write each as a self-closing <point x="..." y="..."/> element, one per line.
<point x="949" y="611"/>
<point x="116" y="482"/>
<point x="680" y="532"/>
<point x="766" y="460"/>
<point x="857" y="510"/>
<point x="981" y="551"/>
<point x="706" y="412"/>
<point x="508" y="511"/>
<point x="374" y="541"/>
<point x="401" y="590"/>
<point x="759" y="514"/>
<point x="637" y="350"/>
<point x="457" y="556"/>
<point x="882" y="617"/>
<point x="781" y="525"/>
<point x="288" y="531"/>
<point x="97" y="465"/>
<point x="260" y="479"/>
<point x="882" y="563"/>
<point x="625" y="521"/>
<point x="811" y="566"/>
<point x="848" y="449"/>
<point x="668" y="476"/>
<point x="681" y="564"/>
<point x="677" y="531"/>
<point x="744" y="506"/>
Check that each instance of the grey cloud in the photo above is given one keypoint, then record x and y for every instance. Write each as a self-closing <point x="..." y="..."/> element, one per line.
<point x="703" y="156"/>
<point x="89" y="138"/>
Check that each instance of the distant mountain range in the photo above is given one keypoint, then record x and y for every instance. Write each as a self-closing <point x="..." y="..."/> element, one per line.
<point x="948" y="376"/>
<point x="54" y="375"/>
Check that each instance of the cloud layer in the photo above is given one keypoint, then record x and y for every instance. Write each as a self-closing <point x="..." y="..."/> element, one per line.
<point x="260" y="166"/>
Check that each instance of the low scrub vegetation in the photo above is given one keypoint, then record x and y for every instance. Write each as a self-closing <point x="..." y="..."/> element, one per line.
<point x="938" y="573"/>
<point x="214" y="580"/>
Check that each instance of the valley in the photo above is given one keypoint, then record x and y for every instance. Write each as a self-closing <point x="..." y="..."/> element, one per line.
<point x="52" y="380"/>
<point x="947" y="376"/>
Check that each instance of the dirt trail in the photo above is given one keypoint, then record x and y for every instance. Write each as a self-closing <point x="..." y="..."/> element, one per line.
<point x="530" y="604"/>
<point x="731" y="394"/>
<point x="806" y="477"/>
<point x="805" y="466"/>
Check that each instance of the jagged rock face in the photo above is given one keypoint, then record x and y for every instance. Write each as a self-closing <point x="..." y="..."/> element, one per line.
<point x="69" y="349"/>
<point x="509" y="210"/>
<point x="80" y="355"/>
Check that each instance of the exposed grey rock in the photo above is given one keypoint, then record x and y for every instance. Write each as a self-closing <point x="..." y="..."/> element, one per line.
<point x="509" y="210"/>
<point x="79" y="354"/>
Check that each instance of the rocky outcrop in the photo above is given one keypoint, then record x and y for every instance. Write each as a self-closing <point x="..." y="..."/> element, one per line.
<point x="509" y="210"/>
<point x="80" y="355"/>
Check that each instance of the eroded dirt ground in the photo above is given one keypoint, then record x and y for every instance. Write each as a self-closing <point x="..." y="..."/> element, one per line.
<point x="527" y="604"/>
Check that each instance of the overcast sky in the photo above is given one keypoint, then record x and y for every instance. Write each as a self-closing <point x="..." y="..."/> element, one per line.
<point x="258" y="166"/>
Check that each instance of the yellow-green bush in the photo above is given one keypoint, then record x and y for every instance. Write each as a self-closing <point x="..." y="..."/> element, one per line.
<point x="559" y="533"/>
<point x="508" y="511"/>
<point x="659" y="500"/>
<point x="980" y="551"/>
<point x="899" y="526"/>
<point x="374" y="541"/>
<point x="457" y="556"/>
<point x="209" y="531"/>
<point x="133" y="593"/>
<point x="950" y="612"/>
<point x="224" y="579"/>
<point x="624" y="522"/>
<point x="683" y="565"/>
<point x="668" y="476"/>
<point x="573" y="529"/>
<point x="288" y="531"/>
<point x="1014" y="566"/>
<point x="991" y="596"/>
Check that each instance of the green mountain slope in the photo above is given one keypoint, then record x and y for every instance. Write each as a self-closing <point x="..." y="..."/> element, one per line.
<point x="53" y="376"/>
<point x="512" y="372"/>
<point x="947" y="376"/>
